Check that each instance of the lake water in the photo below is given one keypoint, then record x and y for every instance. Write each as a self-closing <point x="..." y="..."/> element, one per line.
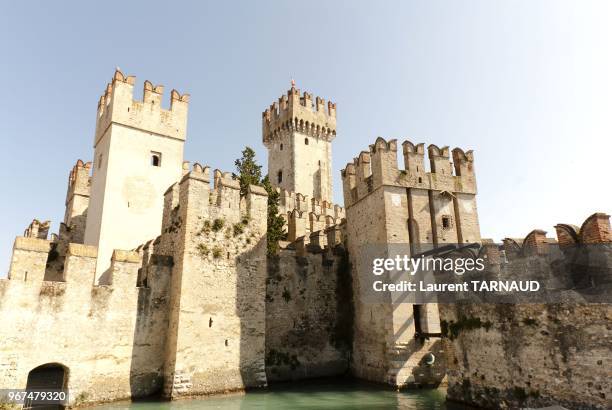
<point x="345" y="395"/>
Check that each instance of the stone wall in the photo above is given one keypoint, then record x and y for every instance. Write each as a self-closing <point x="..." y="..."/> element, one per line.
<point x="392" y="211"/>
<point x="309" y="314"/>
<point x="506" y="356"/>
<point x="536" y="355"/>
<point x="216" y="336"/>
<point x="108" y="338"/>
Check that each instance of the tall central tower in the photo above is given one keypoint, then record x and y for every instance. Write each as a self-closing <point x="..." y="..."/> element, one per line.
<point x="138" y="154"/>
<point x="298" y="133"/>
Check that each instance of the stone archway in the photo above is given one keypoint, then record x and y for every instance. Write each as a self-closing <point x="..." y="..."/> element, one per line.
<point x="47" y="377"/>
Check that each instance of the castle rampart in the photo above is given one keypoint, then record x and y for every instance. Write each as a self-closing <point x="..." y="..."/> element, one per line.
<point x="538" y="354"/>
<point x="304" y="215"/>
<point x="160" y="281"/>
<point x="95" y="332"/>
<point x="218" y="278"/>
<point x="309" y="312"/>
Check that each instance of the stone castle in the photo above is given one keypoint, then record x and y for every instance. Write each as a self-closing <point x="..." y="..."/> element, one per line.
<point x="158" y="281"/>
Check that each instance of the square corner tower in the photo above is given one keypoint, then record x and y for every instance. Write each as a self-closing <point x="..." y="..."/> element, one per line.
<point x="138" y="154"/>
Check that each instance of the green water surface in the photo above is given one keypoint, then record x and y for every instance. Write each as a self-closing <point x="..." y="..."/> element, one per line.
<point x="343" y="395"/>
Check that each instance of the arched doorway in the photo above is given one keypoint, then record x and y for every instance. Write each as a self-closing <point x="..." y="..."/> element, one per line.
<point x="48" y="377"/>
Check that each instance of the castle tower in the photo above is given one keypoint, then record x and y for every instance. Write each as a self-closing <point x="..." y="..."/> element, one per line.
<point x="138" y="154"/>
<point x="395" y="212"/>
<point x="298" y="133"/>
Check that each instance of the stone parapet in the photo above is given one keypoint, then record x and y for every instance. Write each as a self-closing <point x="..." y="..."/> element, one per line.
<point x="117" y="105"/>
<point x="378" y="166"/>
<point x="293" y="112"/>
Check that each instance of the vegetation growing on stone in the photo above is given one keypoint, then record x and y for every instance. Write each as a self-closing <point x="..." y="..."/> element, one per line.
<point x="218" y="224"/>
<point x="207" y="227"/>
<point x="217" y="252"/>
<point x="276" y="358"/>
<point x="286" y="295"/>
<point x="452" y="329"/>
<point x="81" y="398"/>
<point x="203" y="249"/>
<point x="238" y="228"/>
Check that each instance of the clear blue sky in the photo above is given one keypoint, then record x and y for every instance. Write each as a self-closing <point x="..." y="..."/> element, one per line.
<point x="526" y="84"/>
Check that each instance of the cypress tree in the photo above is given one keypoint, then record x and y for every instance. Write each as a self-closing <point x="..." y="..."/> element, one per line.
<point x="249" y="172"/>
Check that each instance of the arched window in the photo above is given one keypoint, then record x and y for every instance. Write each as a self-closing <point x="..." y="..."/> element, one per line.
<point x="280" y="177"/>
<point x="156" y="159"/>
<point x="306" y="141"/>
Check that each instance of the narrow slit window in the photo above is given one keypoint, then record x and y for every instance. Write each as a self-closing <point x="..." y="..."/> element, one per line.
<point x="280" y="176"/>
<point x="417" y="319"/>
<point x="156" y="159"/>
<point x="446" y="222"/>
<point x="306" y="141"/>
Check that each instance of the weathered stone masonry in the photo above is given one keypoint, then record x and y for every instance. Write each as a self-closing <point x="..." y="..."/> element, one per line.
<point x="403" y="211"/>
<point x="536" y="355"/>
<point x="195" y="306"/>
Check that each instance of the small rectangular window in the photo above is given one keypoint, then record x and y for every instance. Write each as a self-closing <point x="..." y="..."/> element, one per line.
<point x="446" y="222"/>
<point x="156" y="158"/>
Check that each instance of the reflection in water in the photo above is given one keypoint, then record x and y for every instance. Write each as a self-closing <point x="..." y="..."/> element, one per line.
<point x="320" y="394"/>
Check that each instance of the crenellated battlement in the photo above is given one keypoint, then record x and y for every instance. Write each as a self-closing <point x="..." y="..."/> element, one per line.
<point x="289" y="201"/>
<point x="319" y="241"/>
<point x="222" y="200"/>
<point x="31" y="258"/>
<point x="118" y="106"/>
<point x="379" y="166"/>
<point x="594" y="230"/>
<point x="304" y="215"/>
<point x="37" y="229"/>
<point x="295" y="112"/>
